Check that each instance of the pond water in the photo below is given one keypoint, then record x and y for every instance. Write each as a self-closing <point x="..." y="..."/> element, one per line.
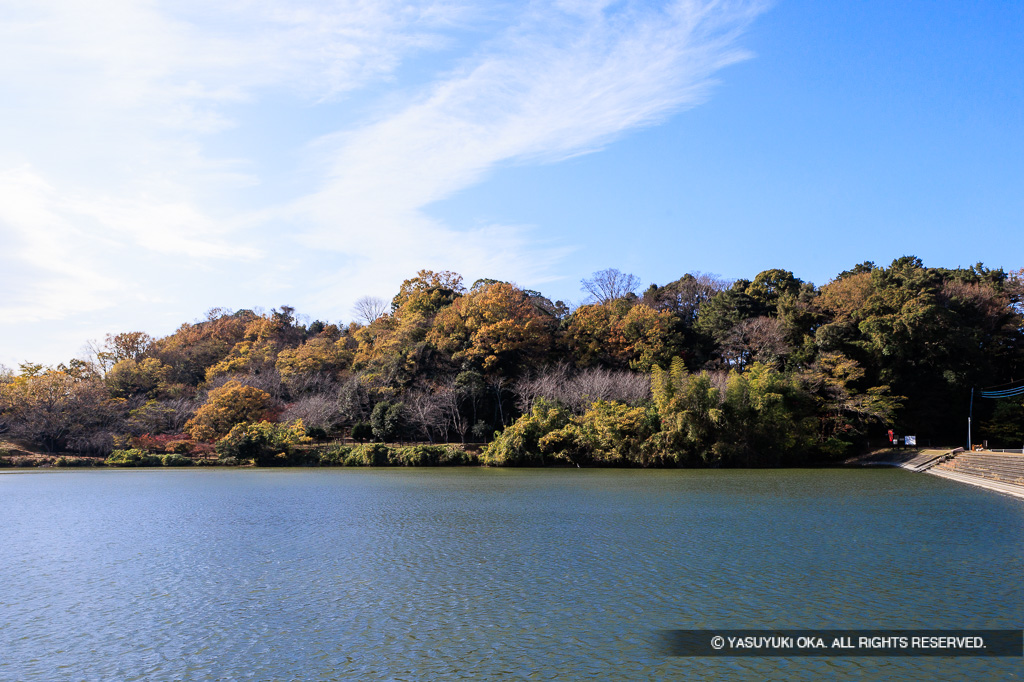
<point x="416" y="574"/>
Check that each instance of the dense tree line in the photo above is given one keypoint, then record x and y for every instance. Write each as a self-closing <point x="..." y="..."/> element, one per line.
<point x="700" y="371"/>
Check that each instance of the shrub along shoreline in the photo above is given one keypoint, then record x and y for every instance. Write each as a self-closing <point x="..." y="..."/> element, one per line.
<point x="364" y="455"/>
<point x="330" y="455"/>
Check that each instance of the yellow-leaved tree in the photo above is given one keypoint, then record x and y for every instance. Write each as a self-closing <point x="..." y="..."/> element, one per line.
<point x="496" y="327"/>
<point x="233" y="403"/>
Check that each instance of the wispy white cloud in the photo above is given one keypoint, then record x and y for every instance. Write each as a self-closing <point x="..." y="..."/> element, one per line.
<point x="115" y="111"/>
<point x="564" y="79"/>
<point x="46" y="273"/>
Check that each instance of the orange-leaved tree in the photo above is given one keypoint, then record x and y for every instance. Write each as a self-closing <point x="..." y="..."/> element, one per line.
<point x="233" y="403"/>
<point x="621" y="334"/>
<point x="320" y="355"/>
<point x="496" y="327"/>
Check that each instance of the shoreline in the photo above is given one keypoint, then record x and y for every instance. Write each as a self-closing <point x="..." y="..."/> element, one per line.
<point x="979" y="482"/>
<point x="539" y="467"/>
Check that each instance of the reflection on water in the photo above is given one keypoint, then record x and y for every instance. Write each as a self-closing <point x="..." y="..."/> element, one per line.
<point x="452" y="573"/>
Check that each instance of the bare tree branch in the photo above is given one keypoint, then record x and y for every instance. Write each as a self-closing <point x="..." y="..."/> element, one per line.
<point x="758" y="339"/>
<point x="315" y="410"/>
<point x="425" y="411"/>
<point x="579" y="391"/>
<point x="608" y="285"/>
<point x="369" y="308"/>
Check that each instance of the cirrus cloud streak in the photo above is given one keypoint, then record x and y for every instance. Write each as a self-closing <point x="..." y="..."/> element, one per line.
<point x="134" y="190"/>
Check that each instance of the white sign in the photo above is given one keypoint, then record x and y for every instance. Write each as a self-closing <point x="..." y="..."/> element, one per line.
<point x="910" y="440"/>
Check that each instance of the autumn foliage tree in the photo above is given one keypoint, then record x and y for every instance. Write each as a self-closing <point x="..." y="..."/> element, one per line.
<point x="496" y="328"/>
<point x="117" y="348"/>
<point x="147" y="376"/>
<point x="623" y="334"/>
<point x="195" y="347"/>
<point x="391" y="351"/>
<point x="231" y="404"/>
<point x="264" y="337"/>
<point x="59" y="411"/>
<point x="427" y="292"/>
<point x="325" y="355"/>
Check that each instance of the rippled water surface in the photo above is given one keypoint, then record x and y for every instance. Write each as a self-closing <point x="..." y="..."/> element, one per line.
<point x="489" y="574"/>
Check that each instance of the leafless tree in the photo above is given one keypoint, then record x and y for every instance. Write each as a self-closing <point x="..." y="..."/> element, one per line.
<point x="580" y="390"/>
<point x="98" y="359"/>
<point x="218" y="312"/>
<point x="312" y="383"/>
<point x="499" y="385"/>
<point x="369" y="308"/>
<point x="164" y="416"/>
<point x="1015" y="290"/>
<point x="608" y="285"/>
<point x="719" y="380"/>
<point x="450" y="398"/>
<point x="986" y="300"/>
<point x="424" y="410"/>
<point x="596" y="383"/>
<point x="316" y="410"/>
<point x="548" y="383"/>
<point x="758" y="339"/>
<point x="696" y="290"/>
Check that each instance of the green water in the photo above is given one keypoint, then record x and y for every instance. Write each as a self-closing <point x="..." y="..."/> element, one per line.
<point x="489" y="574"/>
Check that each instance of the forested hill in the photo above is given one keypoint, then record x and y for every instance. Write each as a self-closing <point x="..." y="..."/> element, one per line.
<point x="699" y="371"/>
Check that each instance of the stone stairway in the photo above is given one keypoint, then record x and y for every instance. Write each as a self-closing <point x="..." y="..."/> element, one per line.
<point x="1002" y="467"/>
<point x="928" y="459"/>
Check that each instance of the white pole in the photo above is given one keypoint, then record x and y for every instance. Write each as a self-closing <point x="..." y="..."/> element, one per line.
<point x="970" y="413"/>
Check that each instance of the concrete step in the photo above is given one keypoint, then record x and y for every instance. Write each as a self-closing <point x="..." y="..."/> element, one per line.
<point x="1002" y="467"/>
<point x="992" y="465"/>
<point x="999" y="486"/>
<point x="1002" y="476"/>
<point x="989" y="468"/>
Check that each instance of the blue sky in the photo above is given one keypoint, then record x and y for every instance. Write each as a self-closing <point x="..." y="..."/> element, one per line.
<point x="159" y="159"/>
